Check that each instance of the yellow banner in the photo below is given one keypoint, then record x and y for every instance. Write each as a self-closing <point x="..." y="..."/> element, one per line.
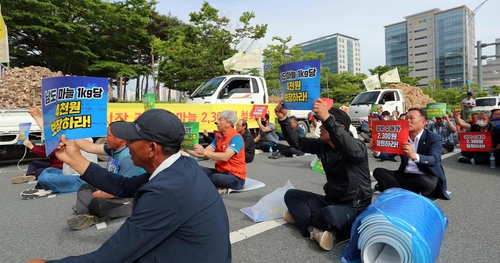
<point x="205" y="114"/>
<point x="4" y="41"/>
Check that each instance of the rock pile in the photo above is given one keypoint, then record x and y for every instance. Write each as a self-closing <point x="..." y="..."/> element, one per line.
<point x="414" y="97"/>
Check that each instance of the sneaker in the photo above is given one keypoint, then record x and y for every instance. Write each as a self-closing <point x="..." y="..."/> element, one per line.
<point x="84" y="221"/>
<point x="463" y="159"/>
<point x="222" y="191"/>
<point x="472" y="161"/>
<point x="277" y="155"/>
<point x="325" y="239"/>
<point x="288" y="218"/>
<point x="34" y="193"/>
<point x="258" y="151"/>
<point x="23" y="179"/>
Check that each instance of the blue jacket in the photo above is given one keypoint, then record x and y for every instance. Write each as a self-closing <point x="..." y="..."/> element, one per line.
<point x="178" y="216"/>
<point x="430" y="148"/>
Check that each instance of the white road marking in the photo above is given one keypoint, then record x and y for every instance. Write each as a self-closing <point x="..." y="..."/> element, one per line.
<point x="244" y="233"/>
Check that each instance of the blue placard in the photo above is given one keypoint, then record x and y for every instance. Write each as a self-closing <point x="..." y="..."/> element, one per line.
<point x="112" y="165"/>
<point x="74" y="106"/>
<point x="300" y="84"/>
<point x="495" y="123"/>
<point x="24" y="130"/>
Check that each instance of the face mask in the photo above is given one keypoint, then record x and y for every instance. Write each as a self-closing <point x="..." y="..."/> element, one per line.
<point x="263" y="123"/>
<point x="482" y="123"/>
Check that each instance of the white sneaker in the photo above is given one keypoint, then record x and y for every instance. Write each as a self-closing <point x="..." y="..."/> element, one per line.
<point x="258" y="151"/>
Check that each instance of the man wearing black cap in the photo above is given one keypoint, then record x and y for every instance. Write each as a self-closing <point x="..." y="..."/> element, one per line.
<point x="327" y="218"/>
<point x="170" y="221"/>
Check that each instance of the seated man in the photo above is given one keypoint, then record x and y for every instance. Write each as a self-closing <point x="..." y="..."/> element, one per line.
<point x="35" y="168"/>
<point x="242" y="129"/>
<point x="420" y="170"/>
<point x="483" y="124"/>
<point x="327" y="218"/>
<point x="267" y="136"/>
<point x="93" y="205"/>
<point x="285" y="149"/>
<point x="177" y="216"/>
<point x="445" y="130"/>
<point x="228" y="153"/>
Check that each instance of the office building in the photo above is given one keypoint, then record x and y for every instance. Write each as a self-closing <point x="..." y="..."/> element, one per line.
<point x="342" y="53"/>
<point x="437" y="44"/>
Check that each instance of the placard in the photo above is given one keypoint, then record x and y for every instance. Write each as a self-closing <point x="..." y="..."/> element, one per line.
<point x="473" y="117"/>
<point x="24" y="130"/>
<point x="318" y="167"/>
<point x="435" y="110"/>
<point x="495" y="123"/>
<point x="112" y="165"/>
<point x="300" y="84"/>
<point x="258" y="111"/>
<point x="277" y="126"/>
<point x="374" y="108"/>
<point x="191" y="137"/>
<point x="475" y="141"/>
<point x="74" y="106"/>
<point x="389" y="136"/>
<point x="149" y="101"/>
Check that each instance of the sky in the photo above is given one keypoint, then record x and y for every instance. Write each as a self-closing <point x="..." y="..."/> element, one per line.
<point x="361" y="19"/>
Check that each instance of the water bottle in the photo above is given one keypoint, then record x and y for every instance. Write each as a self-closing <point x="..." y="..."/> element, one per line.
<point x="492" y="161"/>
<point x="270" y="150"/>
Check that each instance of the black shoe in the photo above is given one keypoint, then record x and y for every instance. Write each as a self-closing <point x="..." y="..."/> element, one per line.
<point x="277" y="155"/>
<point x="377" y="187"/>
<point x="463" y="159"/>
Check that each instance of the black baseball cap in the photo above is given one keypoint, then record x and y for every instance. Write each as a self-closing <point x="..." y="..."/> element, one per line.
<point x="155" y="125"/>
<point x="341" y="117"/>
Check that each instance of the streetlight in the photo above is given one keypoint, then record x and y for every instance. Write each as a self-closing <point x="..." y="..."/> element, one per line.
<point x="450" y="80"/>
<point x="464" y="57"/>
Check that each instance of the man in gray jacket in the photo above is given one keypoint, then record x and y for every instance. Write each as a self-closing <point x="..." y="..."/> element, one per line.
<point x="328" y="218"/>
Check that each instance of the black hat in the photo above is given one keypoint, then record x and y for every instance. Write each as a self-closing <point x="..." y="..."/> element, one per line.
<point x="469" y="93"/>
<point x="155" y="125"/>
<point x="386" y="113"/>
<point x="341" y="117"/>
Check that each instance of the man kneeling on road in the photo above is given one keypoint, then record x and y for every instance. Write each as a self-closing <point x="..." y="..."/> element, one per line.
<point x="328" y="218"/>
<point x="227" y="151"/>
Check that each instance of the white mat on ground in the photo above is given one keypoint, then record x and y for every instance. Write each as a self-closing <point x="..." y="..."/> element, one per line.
<point x="250" y="184"/>
<point x="270" y="206"/>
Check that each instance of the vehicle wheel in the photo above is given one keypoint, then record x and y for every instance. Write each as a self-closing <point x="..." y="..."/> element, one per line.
<point x="101" y="157"/>
<point x="304" y="126"/>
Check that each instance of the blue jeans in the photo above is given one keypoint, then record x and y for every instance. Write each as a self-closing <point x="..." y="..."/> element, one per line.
<point x="223" y="180"/>
<point x="264" y="146"/>
<point x="54" y="180"/>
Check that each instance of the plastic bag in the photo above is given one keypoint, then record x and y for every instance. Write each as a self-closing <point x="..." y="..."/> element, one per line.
<point x="271" y="206"/>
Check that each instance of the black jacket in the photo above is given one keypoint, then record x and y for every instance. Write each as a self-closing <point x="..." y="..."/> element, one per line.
<point x="249" y="146"/>
<point x="346" y="166"/>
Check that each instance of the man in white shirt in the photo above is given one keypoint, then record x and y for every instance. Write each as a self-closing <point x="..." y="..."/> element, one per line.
<point x="468" y="103"/>
<point x="421" y="170"/>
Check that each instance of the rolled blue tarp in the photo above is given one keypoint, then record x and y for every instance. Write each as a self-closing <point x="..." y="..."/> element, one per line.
<point x="400" y="226"/>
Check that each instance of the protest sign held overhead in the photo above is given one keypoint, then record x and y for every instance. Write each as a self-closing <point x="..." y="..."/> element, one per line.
<point x="475" y="141"/>
<point x="389" y="136"/>
<point x="74" y="106"/>
<point x="436" y="110"/>
<point x="299" y="83"/>
<point x="258" y="111"/>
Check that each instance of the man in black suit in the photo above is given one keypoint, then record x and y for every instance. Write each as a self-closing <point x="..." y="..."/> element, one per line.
<point x="421" y="170"/>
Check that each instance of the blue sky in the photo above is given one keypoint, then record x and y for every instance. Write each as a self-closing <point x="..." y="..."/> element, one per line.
<point x="362" y="19"/>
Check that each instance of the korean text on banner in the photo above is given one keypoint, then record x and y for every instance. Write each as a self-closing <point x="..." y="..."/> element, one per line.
<point x="4" y="41"/>
<point x="372" y="82"/>
<point x="24" y="130"/>
<point x="250" y="60"/>
<point x="391" y="76"/>
<point x="229" y="63"/>
<point x="299" y="83"/>
<point x="435" y="110"/>
<point x="192" y="135"/>
<point x="74" y="106"/>
<point x="475" y="141"/>
<point x="389" y="136"/>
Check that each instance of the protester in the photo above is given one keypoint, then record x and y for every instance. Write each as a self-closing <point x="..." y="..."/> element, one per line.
<point x="483" y="124"/>
<point x="395" y="115"/>
<point x="178" y="216"/>
<point x="242" y="129"/>
<point x="420" y="170"/>
<point x="228" y="153"/>
<point x="35" y="168"/>
<point x="267" y="136"/>
<point x="445" y="130"/>
<point x="328" y="218"/>
<point x="94" y="206"/>
<point x="468" y="103"/>
<point x="207" y="137"/>
<point x="402" y="116"/>
<point x="286" y="150"/>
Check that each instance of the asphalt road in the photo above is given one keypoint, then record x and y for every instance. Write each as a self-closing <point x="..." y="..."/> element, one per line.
<point x="37" y="228"/>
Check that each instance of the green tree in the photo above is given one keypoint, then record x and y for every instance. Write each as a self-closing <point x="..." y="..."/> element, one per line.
<point x="495" y="90"/>
<point x="346" y="86"/>
<point x="195" y="52"/>
<point x="279" y="54"/>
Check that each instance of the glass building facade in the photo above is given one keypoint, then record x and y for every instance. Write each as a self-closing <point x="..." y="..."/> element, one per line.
<point x="396" y="45"/>
<point x="342" y="53"/>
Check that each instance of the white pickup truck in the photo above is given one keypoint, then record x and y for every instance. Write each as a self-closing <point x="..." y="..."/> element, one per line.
<point x="9" y="132"/>
<point x="391" y="100"/>
<point x="239" y="89"/>
<point x="487" y="103"/>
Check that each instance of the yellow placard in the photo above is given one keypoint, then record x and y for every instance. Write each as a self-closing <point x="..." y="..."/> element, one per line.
<point x="205" y="114"/>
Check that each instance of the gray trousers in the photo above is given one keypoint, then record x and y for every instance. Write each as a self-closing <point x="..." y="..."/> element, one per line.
<point x="102" y="207"/>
